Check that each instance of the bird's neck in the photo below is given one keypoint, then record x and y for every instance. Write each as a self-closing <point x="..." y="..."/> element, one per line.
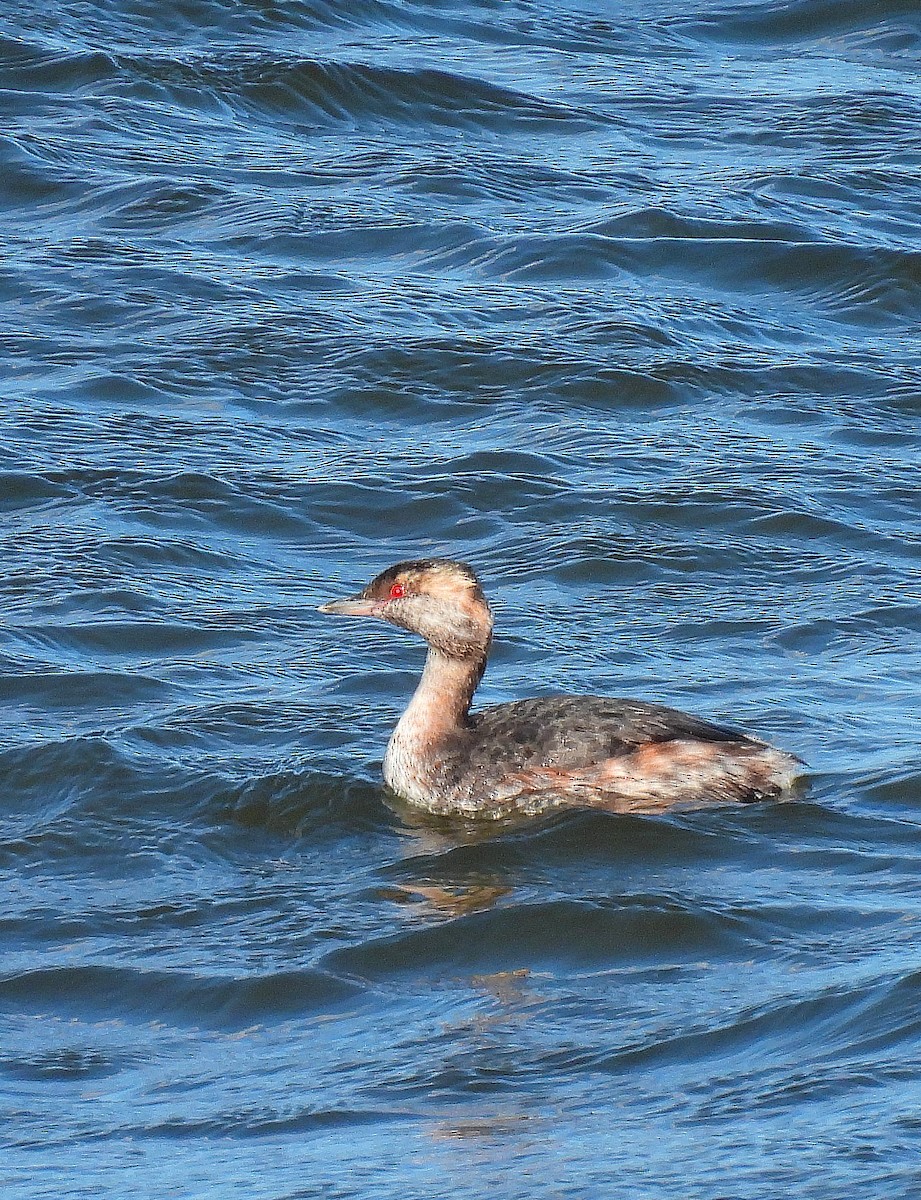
<point x="434" y="721"/>
<point x="439" y="707"/>
<point x="442" y="700"/>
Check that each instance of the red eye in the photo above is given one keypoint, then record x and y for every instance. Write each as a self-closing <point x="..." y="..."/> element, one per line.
<point x="397" y="592"/>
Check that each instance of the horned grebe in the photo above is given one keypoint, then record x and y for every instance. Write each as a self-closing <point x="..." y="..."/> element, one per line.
<point x="552" y="751"/>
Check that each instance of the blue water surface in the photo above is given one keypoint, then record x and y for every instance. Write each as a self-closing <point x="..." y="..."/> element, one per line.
<point x="619" y="301"/>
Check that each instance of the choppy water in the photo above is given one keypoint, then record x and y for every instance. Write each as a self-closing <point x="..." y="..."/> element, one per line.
<point x="620" y="302"/>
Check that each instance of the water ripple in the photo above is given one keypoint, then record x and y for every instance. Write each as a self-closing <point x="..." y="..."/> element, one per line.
<point x="99" y="992"/>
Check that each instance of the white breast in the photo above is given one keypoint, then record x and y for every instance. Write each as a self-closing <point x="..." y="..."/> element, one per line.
<point x="403" y="763"/>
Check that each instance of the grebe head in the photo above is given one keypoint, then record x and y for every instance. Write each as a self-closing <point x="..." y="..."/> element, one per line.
<point x="437" y="598"/>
